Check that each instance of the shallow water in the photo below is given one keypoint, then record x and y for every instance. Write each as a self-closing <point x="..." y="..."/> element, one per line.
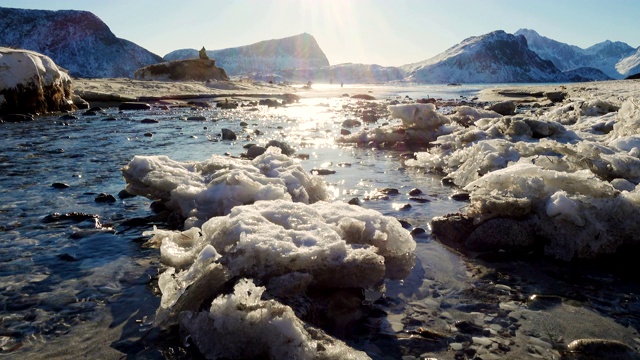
<point x="85" y="285"/>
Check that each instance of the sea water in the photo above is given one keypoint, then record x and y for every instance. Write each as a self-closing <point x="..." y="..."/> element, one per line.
<point x="69" y="282"/>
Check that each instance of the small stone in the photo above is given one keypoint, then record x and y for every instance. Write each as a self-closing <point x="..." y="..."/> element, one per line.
<point x="415" y="192"/>
<point x="420" y="200"/>
<point x="481" y="341"/>
<point x="460" y="197"/>
<point x="418" y="231"/>
<point x="196" y="118"/>
<point x="134" y="106"/>
<point x="148" y="134"/>
<point x="149" y="121"/>
<point x="124" y="194"/>
<point x="59" y="186"/>
<point x="354" y="201"/>
<point x="255" y="151"/>
<point x="228" y="135"/>
<point x="105" y="198"/>
<point x="456" y="346"/>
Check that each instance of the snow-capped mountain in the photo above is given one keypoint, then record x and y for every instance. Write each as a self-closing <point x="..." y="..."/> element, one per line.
<point x="630" y="65"/>
<point x="490" y="58"/>
<point x="76" y="40"/>
<point x="299" y="51"/>
<point x="603" y="56"/>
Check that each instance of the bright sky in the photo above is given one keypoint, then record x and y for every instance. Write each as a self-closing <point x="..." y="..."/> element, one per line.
<point x="385" y="32"/>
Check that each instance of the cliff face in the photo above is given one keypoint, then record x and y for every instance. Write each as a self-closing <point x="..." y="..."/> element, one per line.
<point x="76" y="40"/>
<point x="182" y="70"/>
<point x="294" y="52"/>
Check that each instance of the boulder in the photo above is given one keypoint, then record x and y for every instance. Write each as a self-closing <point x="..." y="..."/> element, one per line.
<point x="555" y="96"/>
<point x="182" y="70"/>
<point x="32" y="83"/>
<point x="504" y="107"/>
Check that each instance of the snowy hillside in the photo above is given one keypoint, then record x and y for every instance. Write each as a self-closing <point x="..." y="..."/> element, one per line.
<point x="630" y="65"/>
<point x="76" y="40"/>
<point x="490" y="58"/>
<point x="603" y="56"/>
<point x="299" y="51"/>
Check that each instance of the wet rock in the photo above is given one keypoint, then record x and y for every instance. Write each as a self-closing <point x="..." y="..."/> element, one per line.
<point x="255" y="150"/>
<point x="201" y="104"/>
<point x="124" y="194"/>
<point x="452" y="229"/>
<point x="74" y="216"/>
<point x="105" y="198"/>
<point x="389" y="191"/>
<point x="226" y="104"/>
<point x="591" y="349"/>
<point x="351" y="123"/>
<point x="542" y="302"/>
<point x="89" y="113"/>
<point x="149" y="121"/>
<point x="17" y="118"/>
<point x="148" y="134"/>
<point x="500" y="234"/>
<point x="196" y="118"/>
<point x="420" y="200"/>
<point x="270" y="102"/>
<point x="284" y="147"/>
<point x="345" y="132"/>
<point x="134" y="106"/>
<point x="79" y="102"/>
<point x="67" y="257"/>
<point x="228" y="135"/>
<point x="59" y="186"/>
<point x="415" y="192"/>
<point x="504" y="108"/>
<point x="323" y="171"/>
<point x="363" y="97"/>
<point x="468" y="327"/>
<point x="418" y="231"/>
<point x="68" y="117"/>
<point x="460" y="196"/>
<point x="354" y="201"/>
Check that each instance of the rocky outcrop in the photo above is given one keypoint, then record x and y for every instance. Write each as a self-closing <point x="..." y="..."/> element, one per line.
<point x="182" y="70"/>
<point x="76" y="40"/>
<point x="32" y="83"/>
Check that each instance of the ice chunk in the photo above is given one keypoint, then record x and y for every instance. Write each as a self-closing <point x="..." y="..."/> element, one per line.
<point x="243" y="326"/>
<point x="213" y="187"/>
<point x="418" y="116"/>
<point x="559" y="205"/>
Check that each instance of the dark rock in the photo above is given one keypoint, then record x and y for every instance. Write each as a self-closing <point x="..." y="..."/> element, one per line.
<point x="270" y="102"/>
<point x="418" y="231"/>
<point x="504" y="108"/>
<point x="196" y="118"/>
<point x="67" y="257"/>
<point x="226" y="104"/>
<point x="542" y="302"/>
<point x="289" y="98"/>
<point x="124" y="194"/>
<point x="158" y="207"/>
<point x="286" y="148"/>
<point x="89" y="113"/>
<point x="351" y="123"/>
<point x="405" y="224"/>
<point x="587" y="349"/>
<point x="228" y="135"/>
<point x="420" y="200"/>
<point x="148" y="134"/>
<point x="415" y="192"/>
<point x="149" y="121"/>
<point x="460" y="196"/>
<point x="323" y="171"/>
<point x="17" y="117"/>
<point x="109" y="119"/>
<point x="389" y="191"/>
<point x="452" y="229"/>
<point x="555" y="96"/>
<point x="68" y="117"/>
<point x="59" y="186"/>
<point x="201" y="104"/>
<point x="73" y="216"/>
<point x="255" y="151"/>
<point x="134" y="106"/>
<point x="468" y="327"/>
<point x="354" y="201"/>
<point x="345" y="132"/>
<point x="500" y="234"/>
<point x="363" y="97"/>
<point x="404" y="207"/>
<point x="182" y="70"/>
<point x="448" y="181"/>
<point x="105" y="198"/>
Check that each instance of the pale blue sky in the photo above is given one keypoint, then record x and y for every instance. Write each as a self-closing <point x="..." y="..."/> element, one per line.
<point x="385" y="32"/>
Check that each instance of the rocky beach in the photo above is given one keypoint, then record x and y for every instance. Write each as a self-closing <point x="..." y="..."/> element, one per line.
<point x="459" y="279"/>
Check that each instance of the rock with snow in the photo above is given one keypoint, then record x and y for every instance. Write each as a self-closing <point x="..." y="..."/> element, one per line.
<point x="32" y="83"/>
<point x="76" y="40"/>
<point x="299" y="51"/>
<point x="201" y="190"/>
<point x="182" y="70"/>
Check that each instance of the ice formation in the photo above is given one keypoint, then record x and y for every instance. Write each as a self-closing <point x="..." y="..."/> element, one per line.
<point x="287" y="247"/>
<point x="568" y="174"/>
<point x="201" y="190"/>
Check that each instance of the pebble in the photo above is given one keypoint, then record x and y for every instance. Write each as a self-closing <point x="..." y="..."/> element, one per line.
<point x="59" y="186"/>
<point x="481" y="341"/>
<point x="455" y="346"/>
<point x="105" y="198"/>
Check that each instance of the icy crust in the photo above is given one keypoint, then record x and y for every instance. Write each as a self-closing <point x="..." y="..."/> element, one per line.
<point x="201" y="190"/>
<point x="569" y="173"/>
<point x="242" y="326"/>
<point x="289" y="247"/>
<point x="421" y="124"/>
